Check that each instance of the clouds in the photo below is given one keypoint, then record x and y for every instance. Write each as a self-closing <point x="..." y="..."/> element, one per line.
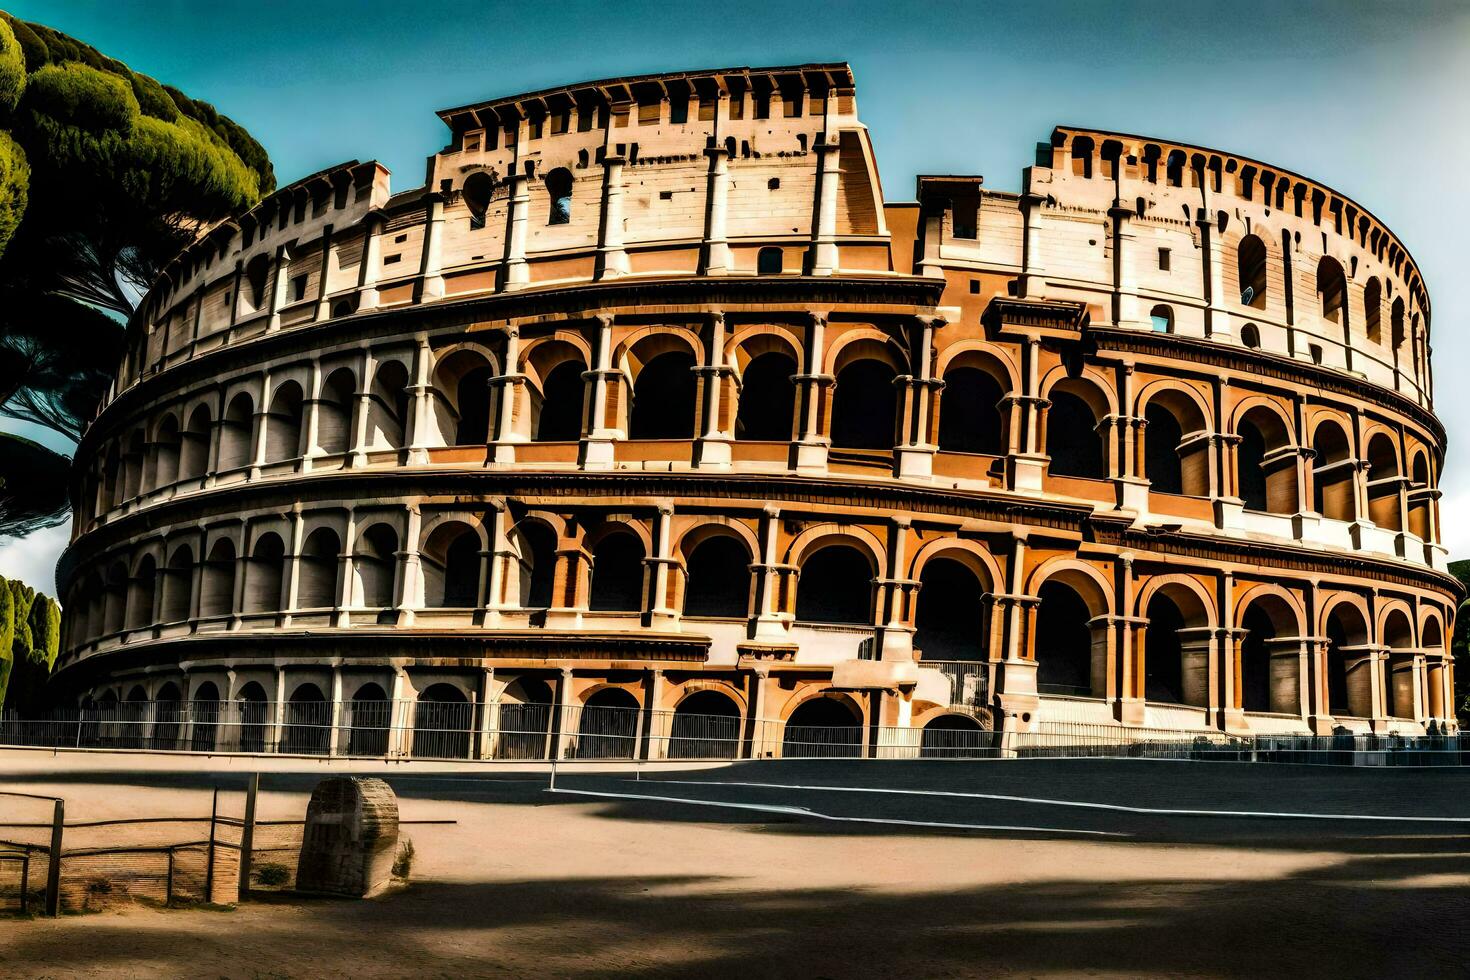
<point x="32" y="559"/>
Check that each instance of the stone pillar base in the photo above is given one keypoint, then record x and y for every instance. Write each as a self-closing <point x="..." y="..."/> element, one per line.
<point x="916" y="462"/>
<point x="1026" y="471"/>
<point x="597" y="453"/>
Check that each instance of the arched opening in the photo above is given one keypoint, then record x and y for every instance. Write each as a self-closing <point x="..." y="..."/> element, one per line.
<point x="825" y="728"/>
<point x="1398" y="680"/>
<point x="1349" y="663"/>
<point x="373" y="566"/>
<point x="663" y="398"/>
<point x="1331" y="288"/>
<point x="525" y="716"/>
<point x="443" y="719"/>
<point x="368" y="718"/>
<point x="165" y="454"/>
<point x="204" y="709"/>
<point x="1161" y="319"/>
<point x="334" y="412"/>
<point x="253" y="713"/>
<point x="1332" y="473"/>
<point x="257" y="272"/>
<point x="970" y="419"/>
<point x="955" y="736"/>
<point x="608" y="726"/>
<point x="770" y="262"/>
<point x="217" y="591"/>
<point x="1396" y="324"/>
<point x="168" y="713"/>
<point x="1265" y="475"/>
<point x="1420" y="497"/>
<point x="1251" y="265"/>
<point x="556" y="410"/>
<point x="1384" y="483"/>
<point x="479" y="188"/>
<point x="706" y="726"/>
<point x="133" y="465"/>
<point x="451" y="567"/>
<point x="559" y="192"/>
<point x="1082" y="147"/>
<point x="283" y="424"/>
<point x="836" y="586"/>
<point x="194" y="445"/>
<point x="388" y="406"/>
<point x="536" y="547"/>
<point x="141" y="593"/>
<point x="1176" y="649"/>
<point x="1267" y="674"/>
<point x="717" y="578"/>
<point x="949" y="618"/>
<point x="1373" y="310"/>
<point x="617" y="573"/>
<point x="1250" y="336"/>
<point x="1063" y="645"/>
<point x="1176" y="454"/>
<point x="1072" y="440"/>
<point x="321" y="557"/>
<point x="178" y="585"/>
<point x="767" y="398"/>
<point x="115" y="607"/>
<point x="864" y="405"/>
<point x="308" y="722"/>
<point x="235" y="432"/>
<point x="264" y="574"/>
<point x="462" y="398"/>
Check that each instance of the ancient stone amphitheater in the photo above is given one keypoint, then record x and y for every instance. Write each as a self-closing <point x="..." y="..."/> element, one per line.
<point x="649" y="426"/>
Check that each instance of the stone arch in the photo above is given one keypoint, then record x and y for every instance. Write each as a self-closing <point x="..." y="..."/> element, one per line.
<point x="450" y="560"/>
<point x="317" y="570"/>
<point x="194" y="443"/>
<point x="142" y="589"/>
<point x="531" y="576"/>
<point x="1373" y="310"/>
<point x="463" y="410"/>
<point x="254" y="709"/>
<point x="236" y="431"/>
<point x="1331" y="289"/>
<point x="1251" y="262"/>
<point x="555" y="387"/>
<point x="308" y="716"/>
<point x="1176" y="453"/>
<point x="1267" y="671"/>
<point x="707" y="724"/>
<point x="1073" y="441"/>
<point x="1384" y="480"/>
<point x="956" y="734"/>
<point x="824" y="725"/>
<point x="1266" y="477"/>
<point x="836" y="582"/>
<point x="388" y="405"/>
<point x="1176" y="648"/>
<point x="178" y="585"/>
<point x="1333" y="470"/>
<point x="443" y="720"/>
<point x="1069" y="638"/>
<point x="619" y="578"/>
<point x="164" y="460"/>
<point x="865" y="343"/>
<point x="717" y="576"/>
<point x="368" y="716"/>
<point x="1344" y="621"/>
<point x="283" y="423"/>
<point x="374" y="567"/>
<point x="969" y="413"/>
<point x="659" y="364"/>
<point x="765" y="359"/>
<point x="1396" y="632"/>
<point x="217" y="590"/>
<point x="204" y="708"/>
<point x="334" y="411"/>
<point x="608" y="724"/>
<point x="265" y="573"/>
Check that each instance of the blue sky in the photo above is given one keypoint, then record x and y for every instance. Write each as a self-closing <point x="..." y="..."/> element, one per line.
<point x="1371" y="99"/>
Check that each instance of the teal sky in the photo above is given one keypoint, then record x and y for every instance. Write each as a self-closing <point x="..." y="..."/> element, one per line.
<point x="1371" y="99"/>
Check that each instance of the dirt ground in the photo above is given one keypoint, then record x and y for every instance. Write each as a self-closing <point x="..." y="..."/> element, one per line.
<point x="531" y="884"/>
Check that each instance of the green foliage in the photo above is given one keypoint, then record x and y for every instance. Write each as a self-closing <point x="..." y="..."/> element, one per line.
<point x="12" y="68"/>
<point x="7" y="634"/>
<point x="272" y="875"/>
<point x="15" y="182"/>
<point x="45" y="631"/>
<point x="30" y="638"/>
<point x="22" y="598"/>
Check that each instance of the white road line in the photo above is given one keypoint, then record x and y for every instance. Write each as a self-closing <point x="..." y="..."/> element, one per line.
<point x="1118" y="807"/>
<point x="801" y="811"/>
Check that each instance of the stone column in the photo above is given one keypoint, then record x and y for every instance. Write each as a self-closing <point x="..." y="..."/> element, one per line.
<point x="431" y="277"/>
<point x="1217" y="320"/>
<point x="260" y="426"/>
<point x="323" y="304"/>
<point x="812" y="390"/>
<point x="824" y="233"/>
<point x="597" y="444"/>
<point x="716" y="241"/>
<point x="712" y="449"/>
<point x="372" y="261"/>
<point x="421" y="406"/>
<point x="770" y="620"/>
<point x="1126" y="311"/>
<point x="334" y="736"/>
<point x="517" y="273"/>
<point x="506" y="390"/>
<point x="362" y="412"/>
<point x="662" y="615"/>
<point x="614" y="260"/>
<point x="895" y="594"/>
<point x="279" y="281"/>
<point x="410" y="580"/>
<point x="312" y="409"/>
<point x="915" y="451"/>
<point x="1031" y="284"/>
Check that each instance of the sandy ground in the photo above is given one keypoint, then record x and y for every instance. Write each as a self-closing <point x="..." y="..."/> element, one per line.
<point x="532" y="884"/>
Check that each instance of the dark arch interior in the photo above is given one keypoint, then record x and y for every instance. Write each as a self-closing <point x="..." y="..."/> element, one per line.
<point x="822" y="728"/>
<point x="1162" y="465"/>
<point x="864" y="404"/>
<point x="308" y="722"/>
<point x="663" y="398"/>
<point x="608" y="727"/>
<point x="1063" y="641"/>
<point x="717" y="578"/>
<point x="539" y="551"/>
<point x="253" y="711"/>
<point x="769" y="262"/>
<point x="1163" y="678"/>
<point x="617" y="573"/>
<point x="442" y="721"/>
<point x="835" y="587"/>
<point x="953" y="735"/>
<point x="1072" y="439"/>
<point x="462" y="572"/>
<point x="767" y="398"/>
<point x="369" y="720"/>
<point x="1255" y="660"/>
<point x="473" y="398"/>
<point x="706" y="726"/>
<point x="1252" y="269"/>
<point x="1337" y="683"/>
<point x="560" y="419"/>
<point x="950" y="615"/>
<point x="970" y="419"/>
<point x="1251" y="476"/>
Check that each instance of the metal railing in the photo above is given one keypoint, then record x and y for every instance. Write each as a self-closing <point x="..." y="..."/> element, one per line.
<point x="511" y="731"/>
<point x="969" y="680"/>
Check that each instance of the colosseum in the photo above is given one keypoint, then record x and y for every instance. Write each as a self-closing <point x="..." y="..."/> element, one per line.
<point x="650" y="427"/>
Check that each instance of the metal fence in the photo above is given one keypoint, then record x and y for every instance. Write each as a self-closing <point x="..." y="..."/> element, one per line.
<point x="542" y="731"/>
